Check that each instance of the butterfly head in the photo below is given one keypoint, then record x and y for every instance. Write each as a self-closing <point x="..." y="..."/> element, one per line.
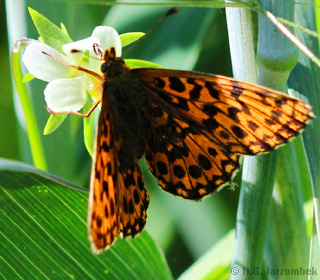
<point x="112" y="65"/>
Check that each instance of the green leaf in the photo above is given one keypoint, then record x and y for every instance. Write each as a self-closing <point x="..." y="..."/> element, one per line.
<point x="64" y="29"/>
<point x="292" y="249"/>
<point x="53" y="123"/>
<point x="304" y="79"/>
<point x="138" y="63"/>
<point x="44" y="233"/>
<point x="130" y="37"/>
<point x="308" y="212"/>
<point x="50" y="34"/>
<point x="314" y="253"/>
<point x="27" y="78"/>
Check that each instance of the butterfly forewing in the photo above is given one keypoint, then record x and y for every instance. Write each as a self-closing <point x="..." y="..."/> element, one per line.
<point x="118" y="200"/>
<point x="104" y="194"/>
<point x="239" y="117"/>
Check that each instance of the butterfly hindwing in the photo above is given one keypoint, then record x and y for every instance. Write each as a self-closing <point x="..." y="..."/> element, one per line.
<point x="185" y="161"/>
<point x="192" y="166"/>
<point x="134" y="201"/>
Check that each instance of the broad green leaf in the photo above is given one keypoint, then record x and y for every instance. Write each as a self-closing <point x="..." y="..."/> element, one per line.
<point x="314" y="254"/>
<point x="44" y="233"/>
<point x="308" y="212"/>
<point x="130" y="37"/>
<point x="53" y="123"/>
<point x="304" y="79"/>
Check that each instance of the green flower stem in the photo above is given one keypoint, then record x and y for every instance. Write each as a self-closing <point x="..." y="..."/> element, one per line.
<point x="276" y="55"/>
<point x="34" y="137"/>
<point x="249" y="242"/>
<point x="253" y="210"/>
<point x="259" y="172"/>
<point x="241" y="42"/>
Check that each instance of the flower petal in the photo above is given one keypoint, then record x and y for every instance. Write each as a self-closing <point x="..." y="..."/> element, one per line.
<point x="95" y="61"/>
<point x="108" y="37"/>
<point x="43" y="66"/>
<point x="81" y="45"/>
<point x="67" y="94"/>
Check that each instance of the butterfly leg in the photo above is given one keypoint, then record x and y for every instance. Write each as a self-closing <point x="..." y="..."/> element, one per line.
<point x="77" y="113"/>
<point x="76" y="67"/>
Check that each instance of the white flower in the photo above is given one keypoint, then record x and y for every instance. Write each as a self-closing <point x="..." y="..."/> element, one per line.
<point x="67" y="88"/>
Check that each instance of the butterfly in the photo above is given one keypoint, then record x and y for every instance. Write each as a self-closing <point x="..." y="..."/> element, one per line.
<point x="192" y="128"/>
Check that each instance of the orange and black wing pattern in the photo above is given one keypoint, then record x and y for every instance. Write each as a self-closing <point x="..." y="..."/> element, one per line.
<point x="118" y="199"/>
<point x="206" y="122"/>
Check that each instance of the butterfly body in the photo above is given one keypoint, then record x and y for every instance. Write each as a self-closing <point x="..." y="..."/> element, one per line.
<point x="192" y="128"/>
<point x="122" y="98"/>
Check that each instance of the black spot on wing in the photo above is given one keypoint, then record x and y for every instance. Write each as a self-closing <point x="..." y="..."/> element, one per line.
<point x="179" y="171"/>
<point x="160" y="83"/>
<point x="176" y="84"/>
<point x="238" y="131"/>
<point x="195" y="171"/>
<point x="204" y="162"/>
<point x="162" y="167"/>
<point x="210" y="110"/>
<point x="213" y="92"/>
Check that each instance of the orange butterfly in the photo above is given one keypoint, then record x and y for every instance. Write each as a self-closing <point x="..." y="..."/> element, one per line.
<point x="192" y="128"/>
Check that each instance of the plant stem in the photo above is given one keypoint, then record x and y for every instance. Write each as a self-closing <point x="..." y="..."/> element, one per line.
<point x="276" y="57"/>
<point x="34" y="137"/>
<point x="246" y="252"/>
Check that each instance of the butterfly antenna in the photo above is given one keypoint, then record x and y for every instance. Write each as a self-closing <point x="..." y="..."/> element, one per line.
<point x="172" y="11"/>
<point x="97" y="49"/>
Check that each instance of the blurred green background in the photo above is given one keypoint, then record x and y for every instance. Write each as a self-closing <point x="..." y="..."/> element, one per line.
<point x="8" y="128"/>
